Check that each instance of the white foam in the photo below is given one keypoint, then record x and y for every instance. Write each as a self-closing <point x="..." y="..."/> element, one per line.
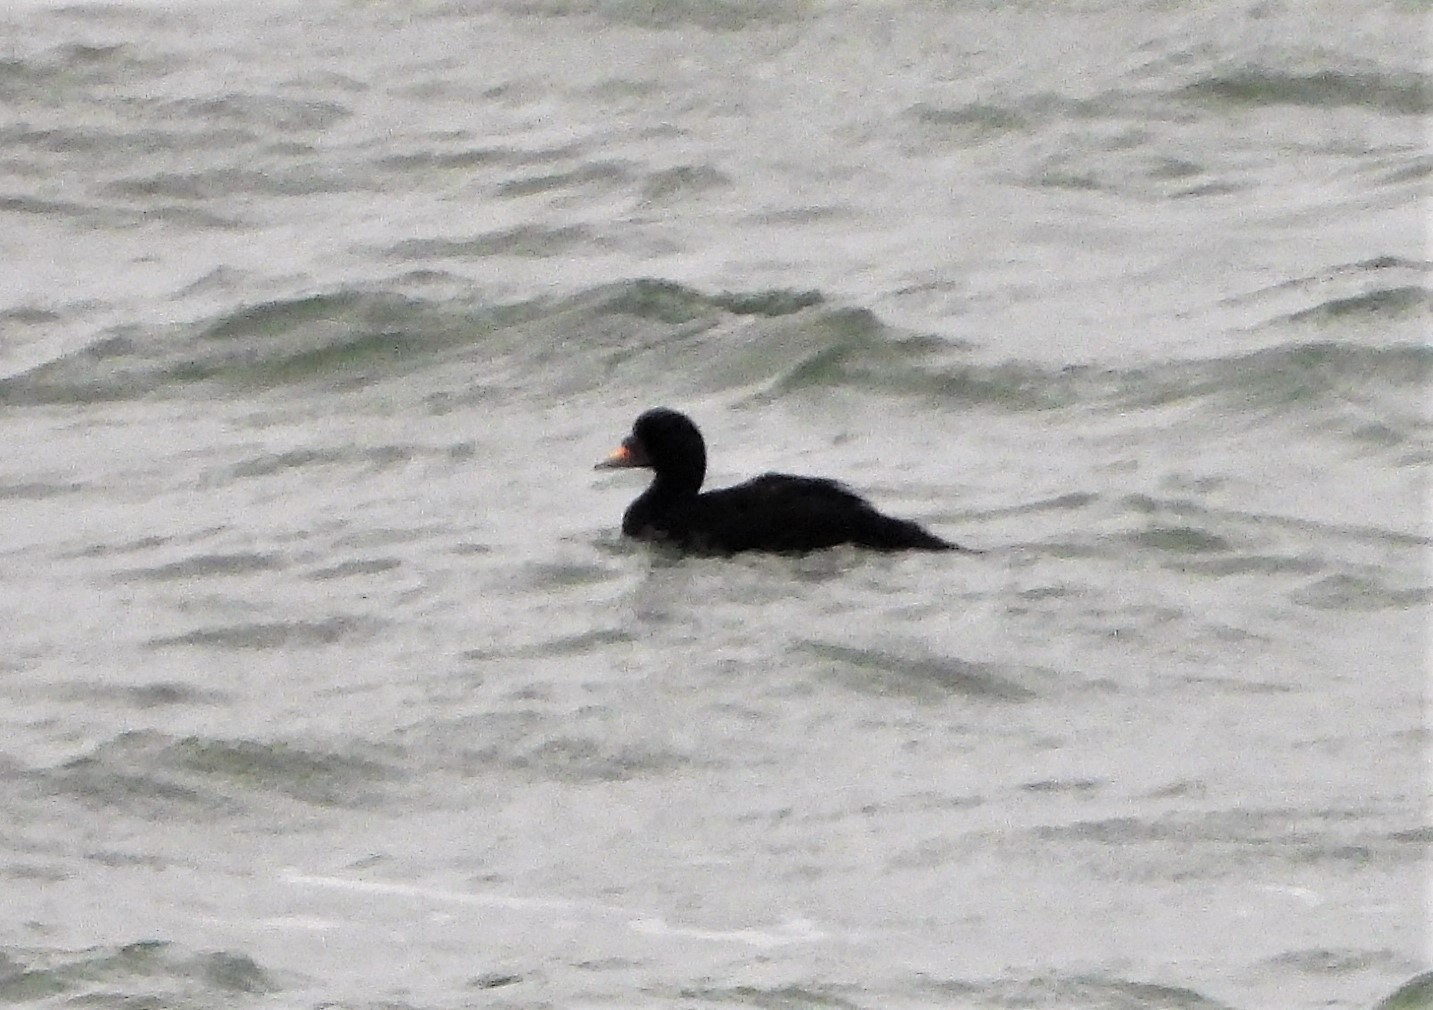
<point x="792" y="931"/>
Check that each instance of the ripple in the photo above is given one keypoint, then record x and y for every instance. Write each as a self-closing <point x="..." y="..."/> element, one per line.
<point x="882" y="671"/>
<point x="1355" y="593"/>
<point x="161" y="694"/>
<point x="355" y="568"/>
<point x="607" y="173"/>
<point x="1403" y="94"/>
<point x="524" y="240"/>
<point x="206" y="566"/>
<point x="272" y="634"/>
<point x="1180" y="540"/>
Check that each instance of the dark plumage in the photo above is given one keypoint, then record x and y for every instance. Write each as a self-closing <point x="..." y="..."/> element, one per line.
<point x="774" y="512"/>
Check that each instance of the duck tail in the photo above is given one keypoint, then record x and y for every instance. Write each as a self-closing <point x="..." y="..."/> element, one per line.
<point x="902" y="534"/>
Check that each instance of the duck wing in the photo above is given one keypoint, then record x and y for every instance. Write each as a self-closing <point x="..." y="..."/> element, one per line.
<point x="785" y="513"/>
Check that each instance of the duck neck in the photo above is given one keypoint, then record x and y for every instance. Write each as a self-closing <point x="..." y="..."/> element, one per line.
<point x="678" y="482"/>
<point x="664" y="498"/>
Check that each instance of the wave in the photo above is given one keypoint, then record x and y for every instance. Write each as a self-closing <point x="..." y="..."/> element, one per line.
<point x="1147" y="136"/>
<point x="1415" y="994"/>
<point x="74" y="69"/>
<point x="262" y="114"/>
<point x="1087" y="991"/>
<point x="713" y="15"/>
<point x="267" y="344"/>
<point x="1394" y="92"/>
<point x="1378" y="290"/>
<point x="147" y="773"/>
<point x="1399" y="93"/>
<point x="1401" y="301"/>
<point x="214" y="184"/>
<point x="356" y="337"/>
<point x="154" y="972"/>
<point x="673" y="341"/>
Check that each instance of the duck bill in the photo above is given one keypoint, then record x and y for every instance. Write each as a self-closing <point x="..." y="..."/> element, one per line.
<point x="626" y="456"/>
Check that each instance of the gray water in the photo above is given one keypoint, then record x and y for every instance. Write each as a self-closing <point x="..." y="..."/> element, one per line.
<point x="330" y="683"/>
